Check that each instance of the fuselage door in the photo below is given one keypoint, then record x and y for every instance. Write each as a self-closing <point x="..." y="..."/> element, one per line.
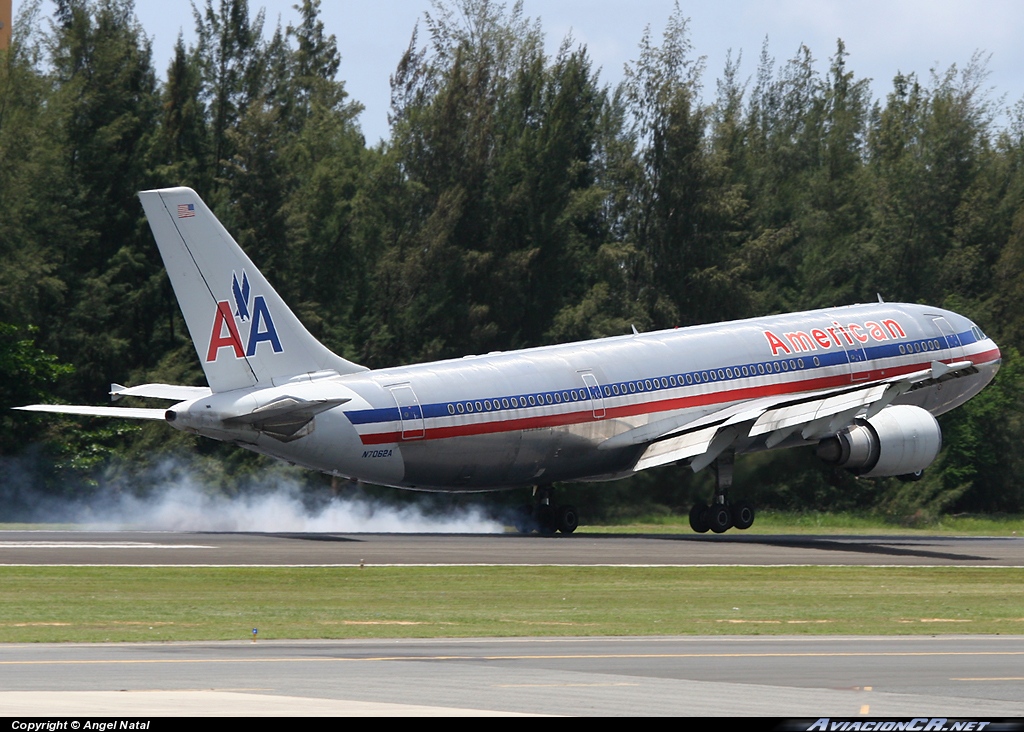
<point x="858" y="362"/>
<point x="594" y="390"/>
<point x="409" y="411"/>
<point x="949" y="337"/>
<point x="856" y="356"/>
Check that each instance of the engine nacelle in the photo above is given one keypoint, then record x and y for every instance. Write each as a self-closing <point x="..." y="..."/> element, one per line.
<point x="898" y="440"/>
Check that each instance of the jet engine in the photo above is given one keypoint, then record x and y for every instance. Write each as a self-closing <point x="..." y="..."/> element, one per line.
<point x="899" y="440"/>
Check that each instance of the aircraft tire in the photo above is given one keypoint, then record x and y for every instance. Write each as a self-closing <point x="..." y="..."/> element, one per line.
<point x="547" y="520"/>
<point x="719" y="518"/>
<point x="523" y="519"/>
<point x="742" y="515"/>
<point x="911" y="477"/>
<point x="698" y="518"/>
<point x="568" y="519"/>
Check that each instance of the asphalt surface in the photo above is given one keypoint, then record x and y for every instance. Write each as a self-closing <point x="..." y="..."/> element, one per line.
<point x="205" y="548"/>
<point x="795" y="677"/>
<point x="801" y="677"/>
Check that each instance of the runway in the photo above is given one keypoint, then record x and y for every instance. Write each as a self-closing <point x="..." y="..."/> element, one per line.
<point x="793" y="677"/>
<point x="163" y="548"/>
<point x="805" y="677"/>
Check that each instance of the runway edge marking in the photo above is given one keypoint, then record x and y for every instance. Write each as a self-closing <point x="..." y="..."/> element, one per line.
<point x="537" y="564"/>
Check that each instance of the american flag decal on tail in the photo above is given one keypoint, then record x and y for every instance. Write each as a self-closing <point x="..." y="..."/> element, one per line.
<point x="186" y="210"/>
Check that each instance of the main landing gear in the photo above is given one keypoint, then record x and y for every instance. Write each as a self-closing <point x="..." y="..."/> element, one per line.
<point x="721" y="515"/>
<point x="544" y="516"/>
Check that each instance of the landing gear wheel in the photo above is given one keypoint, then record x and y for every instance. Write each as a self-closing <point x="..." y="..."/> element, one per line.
<point x="547" y="521"/>
<point x="547" y="517"/>
<point x="719" y="518"/>
<point x="911" y="477"/>
<point x="568" y="519"/>
<point x="523" y="519"/>
<point x="722" y="515"/>
<point x="742" y="515"/>
<point x="698" y="518"/>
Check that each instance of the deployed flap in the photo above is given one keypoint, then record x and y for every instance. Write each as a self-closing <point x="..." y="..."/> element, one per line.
<point x="656" y="430"/>
<point x="685" y="422"/>
<point x="793" y="415"/>
<point x="160" y="391"/>
<point x="124" y="412"/>
<point x="676" y="448"/>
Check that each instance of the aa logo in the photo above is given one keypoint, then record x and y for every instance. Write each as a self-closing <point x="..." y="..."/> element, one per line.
<point x="226" y="333"/>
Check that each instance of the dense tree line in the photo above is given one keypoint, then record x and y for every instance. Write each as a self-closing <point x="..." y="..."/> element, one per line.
<point x="518" y="201"/>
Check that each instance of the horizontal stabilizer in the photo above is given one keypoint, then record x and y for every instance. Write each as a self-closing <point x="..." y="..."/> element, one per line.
<point x="160" y="391"/>
<point x="287" y="407"/>
<point x="287" y="418"/>
<point x="122" y="412"/>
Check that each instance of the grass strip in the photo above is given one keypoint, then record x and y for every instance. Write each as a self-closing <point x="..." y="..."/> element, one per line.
<point x="95" y="604"/>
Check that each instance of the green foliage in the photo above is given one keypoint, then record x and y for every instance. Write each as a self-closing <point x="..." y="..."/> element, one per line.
<point x="27" y="374"/>
<point x="491" y="212"/>
<point x="982" y="437"/>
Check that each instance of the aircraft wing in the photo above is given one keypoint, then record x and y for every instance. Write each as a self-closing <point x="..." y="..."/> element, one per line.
<point x="813" y="415"/>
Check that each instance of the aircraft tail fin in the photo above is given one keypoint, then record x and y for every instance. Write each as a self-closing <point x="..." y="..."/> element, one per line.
<point x="241" y="328"/>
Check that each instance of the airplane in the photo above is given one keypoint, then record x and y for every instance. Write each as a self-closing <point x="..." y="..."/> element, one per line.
<point x="861" y="383"/>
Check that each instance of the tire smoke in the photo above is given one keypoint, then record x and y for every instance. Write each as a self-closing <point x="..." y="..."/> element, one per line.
<point x="177" y="499"/>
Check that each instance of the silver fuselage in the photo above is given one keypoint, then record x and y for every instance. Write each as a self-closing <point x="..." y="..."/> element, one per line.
<point x="536" y="416"/>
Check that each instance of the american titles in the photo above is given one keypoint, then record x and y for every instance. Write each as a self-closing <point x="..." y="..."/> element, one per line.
<point x="834" y="336"/>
